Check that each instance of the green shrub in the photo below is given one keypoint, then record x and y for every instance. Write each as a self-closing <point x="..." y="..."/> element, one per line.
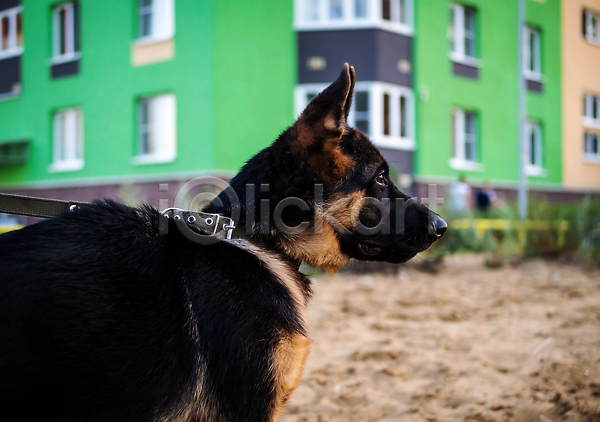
<point x="570" y="231"/>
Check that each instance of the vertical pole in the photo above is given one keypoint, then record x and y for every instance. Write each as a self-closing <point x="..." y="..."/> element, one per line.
<point x="522" y="188"/>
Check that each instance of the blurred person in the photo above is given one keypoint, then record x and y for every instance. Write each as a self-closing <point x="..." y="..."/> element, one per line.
<point x="485" y="198"/>
<point x="460" y="196"/>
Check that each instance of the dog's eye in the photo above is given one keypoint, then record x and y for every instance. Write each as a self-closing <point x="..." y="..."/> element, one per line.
<point x="381" y="180"/>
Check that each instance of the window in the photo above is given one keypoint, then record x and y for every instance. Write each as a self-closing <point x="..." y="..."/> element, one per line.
<point x="532" y="64"/>
<point x="465" y="134"/>
<point x="591" y="30"/>
<point x="393" y="15"/>
<point x="590" y="147"/>
<point x="591" y="110"/>
<point x="463" y="42"/>
<point x="156" y="20"/>
<point x="156" y="129"/>
<point x="361" y="9"/>
<point x="11" y="33"/>
<point x="68" y="140"/>
<point x="382" y="111"/>
<point x="361" y="111"/>
<point x="395" y="11"/>
<point x="335" y="9"/>
<point x="65" y="45"/>
<point x="14" y="152"/>
<point x="533" y="149"/>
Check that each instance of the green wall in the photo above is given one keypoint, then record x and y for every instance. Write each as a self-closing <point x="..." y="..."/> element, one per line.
<point x="232" y="75"/>
<point x="255" y="75"/>
<point x="494" y="95"/>
<point x="547" y="107"/>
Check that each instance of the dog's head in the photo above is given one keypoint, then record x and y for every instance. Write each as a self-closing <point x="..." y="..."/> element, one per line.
<point x="328" y="191"/>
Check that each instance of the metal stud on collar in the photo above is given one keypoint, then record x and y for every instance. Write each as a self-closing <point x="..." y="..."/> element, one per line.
<point x="211" y="222"/>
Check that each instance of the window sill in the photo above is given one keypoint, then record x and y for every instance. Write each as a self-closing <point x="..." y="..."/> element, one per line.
<point x="10" y="96"/>
<point x="403" y="144"/>
<point x="399" y="28"/>
<point x="65" y="58"/>
<point x="466" y="60"/>
<point x="593" y="41"/>
<point x="536" y="171"/>
<point x="141" y="160"/>
<point x="151" y="40"/>
<point x="590" y="158"/>
<point x="65" y="166"/>
<point x="464" y="165"/>
<point x="535" y="77"/>
<point x="590" y="123"/>
<point x="11" y="53"/>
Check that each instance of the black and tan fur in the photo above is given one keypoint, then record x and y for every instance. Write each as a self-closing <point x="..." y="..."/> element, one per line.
<point x="103" y="317"/>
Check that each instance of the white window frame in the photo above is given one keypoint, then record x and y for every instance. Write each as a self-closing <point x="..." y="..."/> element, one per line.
<point x="535" y="73"/>
<point x="457" y="34"/>
<point x="459" y="160"/>
<point x="588" y="119"/>
<point x="13" y="40"/>
<point x="313" y="15"/>
<point x="69" y="33"/>
<point x="592" y="22"/>
<point x="376" y="90"/>
<point x="67" y="140"/>
<point x="162" y="22"/>
<point x="535" y="168"/>
<point x="588" y="155"/>
<point x="163" y="127"/>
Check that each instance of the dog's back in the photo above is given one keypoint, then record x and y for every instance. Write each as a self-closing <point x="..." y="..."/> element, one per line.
<point x="105" y="319"/>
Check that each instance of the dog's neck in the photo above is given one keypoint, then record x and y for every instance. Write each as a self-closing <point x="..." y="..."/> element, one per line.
<point x="258" y="188"/>
<point x="254" y="192"/>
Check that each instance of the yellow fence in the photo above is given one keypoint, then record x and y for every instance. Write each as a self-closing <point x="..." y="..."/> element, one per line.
<point x="8" y="228"/>
<point x="482" y="225"/>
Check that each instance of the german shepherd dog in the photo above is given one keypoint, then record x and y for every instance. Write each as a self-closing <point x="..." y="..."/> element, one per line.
<point x="104" y="317"/>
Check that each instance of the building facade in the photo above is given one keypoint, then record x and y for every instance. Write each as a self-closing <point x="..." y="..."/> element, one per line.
<point x="468" y="91"/>
<point x="581" y="94"/>
<point x="131" y="98"/>
<point x="437" y="86"/>
<point x="100" y="95"/>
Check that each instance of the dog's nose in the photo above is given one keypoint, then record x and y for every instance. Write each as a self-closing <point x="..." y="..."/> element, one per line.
<point x="437" y="228"/>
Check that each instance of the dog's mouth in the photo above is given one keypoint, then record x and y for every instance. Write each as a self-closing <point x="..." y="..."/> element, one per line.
<point x="370" y="248"/>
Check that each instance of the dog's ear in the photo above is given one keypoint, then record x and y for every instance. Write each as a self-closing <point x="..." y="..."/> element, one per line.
<point x="348" y="102"/>
<point x="320" y="127"/>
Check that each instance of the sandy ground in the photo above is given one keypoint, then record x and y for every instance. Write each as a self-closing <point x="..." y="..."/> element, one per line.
<point x="468" y="344"/>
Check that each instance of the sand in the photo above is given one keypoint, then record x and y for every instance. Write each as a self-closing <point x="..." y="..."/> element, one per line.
<point x="467" y="344"/>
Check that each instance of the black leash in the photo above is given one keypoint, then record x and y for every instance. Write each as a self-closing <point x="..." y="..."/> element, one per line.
<point x="34" y="207"/>
<point x="208" y="224"/>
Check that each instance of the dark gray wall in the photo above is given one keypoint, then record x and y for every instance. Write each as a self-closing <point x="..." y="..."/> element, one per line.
<point x="64" y="69"/>
<point x="534" y="86"/>
<point x="374" y="53"/>
<point x="7" y="4"/>
<point x="401" y="160"/>
<point x="10" y="74"/>
<point x="466" y="70"/>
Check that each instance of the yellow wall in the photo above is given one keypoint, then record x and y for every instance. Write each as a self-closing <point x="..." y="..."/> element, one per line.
<point x="581" y="74"/>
